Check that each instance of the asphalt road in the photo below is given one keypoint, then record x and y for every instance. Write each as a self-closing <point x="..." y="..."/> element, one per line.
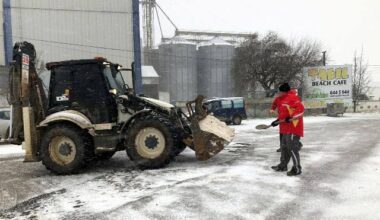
<point x="236" y="184"/>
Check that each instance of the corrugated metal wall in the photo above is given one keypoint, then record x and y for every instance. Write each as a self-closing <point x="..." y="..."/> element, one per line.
<point x="3" y="86"/>
<point x="4" y="72"/>
<point x="2" y="52"/>
<point x="72" y="29"/>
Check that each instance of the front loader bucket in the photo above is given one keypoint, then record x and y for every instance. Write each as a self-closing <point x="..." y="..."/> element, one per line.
<point x="210" y="135"/>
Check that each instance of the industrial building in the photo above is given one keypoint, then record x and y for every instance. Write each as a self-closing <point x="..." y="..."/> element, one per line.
<point x="191" y="62"/>
<point x="71" y="29"/>
<point x="187" y="68"/>
<point x="182" y="67"/>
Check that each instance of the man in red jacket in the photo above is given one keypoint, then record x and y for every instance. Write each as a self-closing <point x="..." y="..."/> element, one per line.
<point x="275" y="105"/>
<point x="290" y="119"/>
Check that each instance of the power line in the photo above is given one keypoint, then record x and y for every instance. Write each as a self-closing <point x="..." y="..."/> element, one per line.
<point x="71" y="10"/>
<point x="73" y="45"/>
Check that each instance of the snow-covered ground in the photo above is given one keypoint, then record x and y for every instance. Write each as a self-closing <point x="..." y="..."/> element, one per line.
<point x="340" y="159"/>
<point x="359" y="193"/>
<point x="11" y="151"/>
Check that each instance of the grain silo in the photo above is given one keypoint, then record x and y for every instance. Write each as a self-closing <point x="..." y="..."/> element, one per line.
<point x="150" y="57"/>
<point x="178" y="69"/>
<point x="215" y="68"/>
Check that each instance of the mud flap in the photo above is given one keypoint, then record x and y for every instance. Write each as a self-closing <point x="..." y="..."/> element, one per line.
<point x="210" y="135"/>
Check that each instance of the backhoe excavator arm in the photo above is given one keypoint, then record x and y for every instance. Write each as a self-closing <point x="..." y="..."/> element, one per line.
<point x="27" y="99"/>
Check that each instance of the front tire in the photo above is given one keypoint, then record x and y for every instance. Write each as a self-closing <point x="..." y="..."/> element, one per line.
<point x="65" y="149"/>
<point x="150" y="142"/>
<point x="237" y="120"/>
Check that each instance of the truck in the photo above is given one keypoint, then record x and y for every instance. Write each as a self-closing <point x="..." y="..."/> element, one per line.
<point x="229" y="109"/>
<point x="83" y="110"/>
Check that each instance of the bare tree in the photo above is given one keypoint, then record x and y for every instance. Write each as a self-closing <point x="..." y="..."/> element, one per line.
<point x="360" y="81"/>
<point x="272" y="60"/>
<point x="242" y="66"/>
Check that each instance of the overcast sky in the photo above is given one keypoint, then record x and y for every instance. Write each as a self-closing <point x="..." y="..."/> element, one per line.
<point x="341" y="26"/>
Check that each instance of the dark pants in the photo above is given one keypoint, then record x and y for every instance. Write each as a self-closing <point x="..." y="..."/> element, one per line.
<point x="290" y="146"/>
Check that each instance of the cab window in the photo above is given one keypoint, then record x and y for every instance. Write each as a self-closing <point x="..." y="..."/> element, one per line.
<point x="239" y="103"/>
<point x="5" y="115"/>
<point x="213" y="106"/>
<point x="226" y="104"/>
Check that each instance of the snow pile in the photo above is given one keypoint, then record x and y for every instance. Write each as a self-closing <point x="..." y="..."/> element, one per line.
<point x="219" y="128"/>
<point x="11" y="151"/>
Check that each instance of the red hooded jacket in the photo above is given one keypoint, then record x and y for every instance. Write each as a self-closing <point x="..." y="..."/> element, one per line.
<point x="291" y="106"/>
<point x="276" y="103"/>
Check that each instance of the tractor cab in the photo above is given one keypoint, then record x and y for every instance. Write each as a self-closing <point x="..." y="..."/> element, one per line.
<point x="87" y="86"/>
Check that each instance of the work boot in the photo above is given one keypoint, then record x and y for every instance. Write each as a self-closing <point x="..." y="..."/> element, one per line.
<point x="279" y="149"/>
<point x="294" y="172"/>
<point x="279" y="168"/>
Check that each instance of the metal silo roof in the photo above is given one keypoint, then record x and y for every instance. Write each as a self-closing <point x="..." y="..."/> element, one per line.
<point x="178" y="40"/>
<point x="217" y="41"/>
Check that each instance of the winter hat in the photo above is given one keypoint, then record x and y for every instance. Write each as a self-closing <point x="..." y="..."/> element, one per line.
<point x="284" y="87"/>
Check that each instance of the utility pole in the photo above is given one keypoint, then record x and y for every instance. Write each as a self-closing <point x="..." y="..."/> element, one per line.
<point x="324" y="58"/>
<point x="354" y="82"/>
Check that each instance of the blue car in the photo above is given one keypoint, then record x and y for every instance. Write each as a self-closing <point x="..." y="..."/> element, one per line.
<point x="229" y="110"/>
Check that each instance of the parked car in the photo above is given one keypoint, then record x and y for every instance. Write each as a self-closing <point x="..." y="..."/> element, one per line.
<point x="229" y="110"/>
<point x="4" y="122"/>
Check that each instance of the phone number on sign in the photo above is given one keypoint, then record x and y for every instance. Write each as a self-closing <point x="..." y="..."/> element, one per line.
<point x="340" y="92"/>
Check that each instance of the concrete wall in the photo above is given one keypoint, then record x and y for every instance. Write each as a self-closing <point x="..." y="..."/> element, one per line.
<point x="368" y="106"/>
<point x="259" y="108"/>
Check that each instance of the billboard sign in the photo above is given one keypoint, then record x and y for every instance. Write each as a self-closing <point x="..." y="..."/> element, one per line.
<point x="327" y="84"/>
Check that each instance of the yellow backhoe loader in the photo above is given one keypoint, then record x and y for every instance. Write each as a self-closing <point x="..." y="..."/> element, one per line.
<point x="82" y="110"/>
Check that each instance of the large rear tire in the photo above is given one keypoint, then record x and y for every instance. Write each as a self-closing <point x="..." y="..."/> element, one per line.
<point x="65" y="149"/>
<point x="149" y="142"/>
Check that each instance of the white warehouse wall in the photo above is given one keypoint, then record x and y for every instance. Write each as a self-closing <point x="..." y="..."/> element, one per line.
<point x="75" y="29"/>
<point x="2" y="53"/>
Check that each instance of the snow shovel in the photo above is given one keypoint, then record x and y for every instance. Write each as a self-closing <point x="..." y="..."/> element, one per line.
<point x="210" y="135"/>
<point x="264" y="126"/>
